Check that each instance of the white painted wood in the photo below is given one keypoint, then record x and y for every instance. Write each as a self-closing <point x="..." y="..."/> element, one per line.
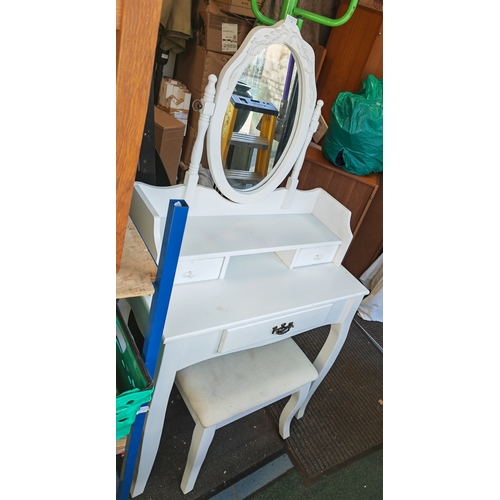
<point x="261" y="376"/>
<point x="292" y="181"/>
<point x="190" y="271"/>
<point x="332" y="214"/>
<point x="234" y="229"/>
<point x="216" y="236"/>
<point x="200" y="442"/>
<point x="277" y="253"/>
<point x="291" y="408"/>
<point x="283" y="32"/>
<point x="163" y="382"/>
<point x="315" y="255"/>
<point x="256" y="287"/>
<point x="257" y="332"/>
<point x="149" y="215"/>
<point x="191" y="178"/>
<point x="331" y="348"/>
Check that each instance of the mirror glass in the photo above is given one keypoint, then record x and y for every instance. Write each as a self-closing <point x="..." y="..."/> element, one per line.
<point x="259" y="117"/>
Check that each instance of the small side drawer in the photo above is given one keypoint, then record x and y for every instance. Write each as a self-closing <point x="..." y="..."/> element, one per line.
<point x="315" y="255"/>
<point x="256" y="333"/>
<point x="189" y="271"/>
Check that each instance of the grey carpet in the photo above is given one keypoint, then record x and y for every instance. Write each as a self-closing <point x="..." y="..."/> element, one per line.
<point x="373" y="329"/>
<point x="343" y="420"/>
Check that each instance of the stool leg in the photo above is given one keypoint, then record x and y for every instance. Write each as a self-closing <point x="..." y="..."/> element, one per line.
<point x="200" y="442"/>
<point x="294" y="403"/>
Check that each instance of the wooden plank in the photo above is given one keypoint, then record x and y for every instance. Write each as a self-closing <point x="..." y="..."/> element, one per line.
<point x="316" y="155"/>
<point x="120" y="445"/>
<point x="368" y="244"/>
<point x="118" y="15"/>
<point x="348" y="52"/>
<point x="137" y="269"/>
<point x="136" y="43"/>
<point x="375" y="64"/>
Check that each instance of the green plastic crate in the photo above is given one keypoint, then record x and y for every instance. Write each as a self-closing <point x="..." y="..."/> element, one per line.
<point x="134" y="386"/>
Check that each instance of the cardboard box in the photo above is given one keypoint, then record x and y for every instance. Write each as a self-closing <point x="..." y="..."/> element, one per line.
<point x="169" y="136"/>
<point x="194" y="116"/>
<point x="239" y="7"/>
<point x="187" y="148"/>
<point x="218" y="31"/>
<point x="174" y="98"/>
<point x="195" y="64"/>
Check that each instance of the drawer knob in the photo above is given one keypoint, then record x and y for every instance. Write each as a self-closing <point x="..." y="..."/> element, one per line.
<point x="318" y="257"/>
<point x="190" y="274"/>
<point x="280" y="330"/>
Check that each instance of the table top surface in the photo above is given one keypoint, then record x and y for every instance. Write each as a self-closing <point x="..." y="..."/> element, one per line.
<point x="255" y="287"/>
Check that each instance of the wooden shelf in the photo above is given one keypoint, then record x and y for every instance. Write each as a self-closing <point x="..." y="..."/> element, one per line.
<point x="212" y="236"/>
<point x="137" y="268"/>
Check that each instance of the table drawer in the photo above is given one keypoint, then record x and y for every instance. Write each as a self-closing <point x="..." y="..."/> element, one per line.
<point x="272" y="329"/>
<point x="189" y="271"/>
<point x="315" y="255"/>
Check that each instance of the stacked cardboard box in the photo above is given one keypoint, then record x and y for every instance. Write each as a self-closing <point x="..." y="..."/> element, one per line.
<point x="218" y="31"/>
<point x="238" y="7"/>
<point x="217" y="36"/>
<point x="175" y="98"/>
<point x="169" y="135"/>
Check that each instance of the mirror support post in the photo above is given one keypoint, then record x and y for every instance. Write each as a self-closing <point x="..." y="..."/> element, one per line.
<point x="207" y="110"/>
<point x="293" y="180"/>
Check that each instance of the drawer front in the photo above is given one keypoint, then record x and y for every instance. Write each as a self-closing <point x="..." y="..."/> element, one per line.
<point x="283" y="326"/>
<point x="189" y="271"/>
<point x="315" y="255"/>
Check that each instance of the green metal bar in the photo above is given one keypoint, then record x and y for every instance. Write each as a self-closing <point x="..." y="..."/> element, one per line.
<point x="290" y="8"/>
<point x="333" y="23"/>
<point x="287" y="8"/>
<point x="261" y="18"/>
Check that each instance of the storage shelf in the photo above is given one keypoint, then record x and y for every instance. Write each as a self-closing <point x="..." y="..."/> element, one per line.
<point x="221" y="236"/>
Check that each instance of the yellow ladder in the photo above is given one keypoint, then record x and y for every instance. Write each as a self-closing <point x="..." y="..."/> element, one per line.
<point x="262" y="143"/>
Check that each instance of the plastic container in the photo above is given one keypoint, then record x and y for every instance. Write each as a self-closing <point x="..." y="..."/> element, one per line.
<point x="134" y="385"/>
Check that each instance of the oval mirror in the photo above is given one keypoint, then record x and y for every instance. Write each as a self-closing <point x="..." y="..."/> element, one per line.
<point x="264" y="102"/>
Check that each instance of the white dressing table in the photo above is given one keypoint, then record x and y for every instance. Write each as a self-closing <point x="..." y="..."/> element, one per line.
<point x="257" y="264"/>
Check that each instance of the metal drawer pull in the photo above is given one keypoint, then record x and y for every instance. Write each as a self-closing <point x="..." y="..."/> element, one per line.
<point x="283" y="328"/>
<point x="190" y="274"/>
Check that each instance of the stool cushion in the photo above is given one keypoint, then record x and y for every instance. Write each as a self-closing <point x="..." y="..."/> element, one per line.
<point x="226" y="386"/>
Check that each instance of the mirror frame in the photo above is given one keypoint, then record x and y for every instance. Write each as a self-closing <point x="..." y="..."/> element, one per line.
<point x="283" y="32"/>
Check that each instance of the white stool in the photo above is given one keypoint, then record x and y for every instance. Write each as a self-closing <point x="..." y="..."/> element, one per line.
<point x="220" y="390"/>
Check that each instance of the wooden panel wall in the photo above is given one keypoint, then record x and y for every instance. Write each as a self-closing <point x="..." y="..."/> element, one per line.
<point x="353" y="51"/>
<point x="368" y="244"/>
<point x="353" y="191"/>
<point x="137" y="24"/>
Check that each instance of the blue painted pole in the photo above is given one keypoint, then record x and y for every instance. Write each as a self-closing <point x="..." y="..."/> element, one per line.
<point x="169" y="256"/>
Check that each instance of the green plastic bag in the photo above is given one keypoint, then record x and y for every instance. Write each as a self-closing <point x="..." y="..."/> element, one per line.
<point x="353" y="140"/>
